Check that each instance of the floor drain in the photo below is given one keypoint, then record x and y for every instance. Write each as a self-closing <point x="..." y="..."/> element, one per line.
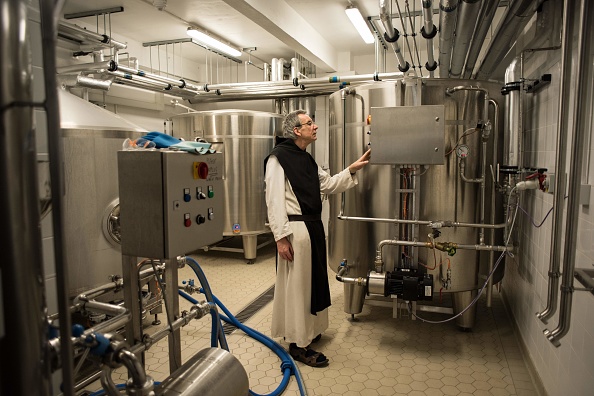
<point x="251" y="309"/>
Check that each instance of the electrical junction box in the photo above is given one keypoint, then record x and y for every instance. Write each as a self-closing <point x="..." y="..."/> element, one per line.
<point x="412" y="135"/>
<point x="171" y="202"/>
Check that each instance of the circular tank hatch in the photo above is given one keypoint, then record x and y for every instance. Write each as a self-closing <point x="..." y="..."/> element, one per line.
<point x="111" y="223"/>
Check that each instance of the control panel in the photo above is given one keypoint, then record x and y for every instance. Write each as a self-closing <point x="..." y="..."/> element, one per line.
<point x="171" y="202"/>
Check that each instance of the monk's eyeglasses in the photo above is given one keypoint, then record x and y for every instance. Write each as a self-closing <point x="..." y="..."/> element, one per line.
<point x="308" y="123"/>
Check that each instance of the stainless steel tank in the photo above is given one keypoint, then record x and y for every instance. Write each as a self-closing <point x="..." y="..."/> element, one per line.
<point x="91" y="138"/>
<point x="246" y="138"/>
<point x="440" y="193"/>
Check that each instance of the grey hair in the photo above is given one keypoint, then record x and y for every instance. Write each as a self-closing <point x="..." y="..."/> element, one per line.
<point x="290" y="122"/>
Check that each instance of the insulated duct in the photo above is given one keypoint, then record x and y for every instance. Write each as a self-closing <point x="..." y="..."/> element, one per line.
<point x="392" y="35"/>
<point x="467" y="19"/>
<point x="429" y="31"/>
<point x="71" y="81"/>
<point x="447" y="25"/>
<point x="517" y="16"/>
<point x="484" y="20"/>
<point x="511" y="153"/>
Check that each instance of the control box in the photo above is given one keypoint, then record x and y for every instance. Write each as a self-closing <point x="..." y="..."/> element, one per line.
<point x="412" y="135"/>
<point x="171" y="202"/>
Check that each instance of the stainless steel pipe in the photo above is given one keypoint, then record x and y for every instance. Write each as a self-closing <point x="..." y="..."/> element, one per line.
<point x="579" y="121"/>
<point x="447" y="24"/>
<point x="78" y="33"/>
<point x="23" y="339"/>
<point x="566" y="84"/>
<point x="429" y="223"/>
<point x="468" y="13"/>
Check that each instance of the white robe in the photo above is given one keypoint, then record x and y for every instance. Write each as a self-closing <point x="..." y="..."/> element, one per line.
<point x="291" y="316"/>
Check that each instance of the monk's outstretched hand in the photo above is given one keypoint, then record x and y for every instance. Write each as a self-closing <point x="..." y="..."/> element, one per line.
<point x="361" y="162"/>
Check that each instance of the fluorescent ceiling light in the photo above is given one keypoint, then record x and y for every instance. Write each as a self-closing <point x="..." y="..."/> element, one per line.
<point x="212" y="43"/>
<point x="360" y="24"/>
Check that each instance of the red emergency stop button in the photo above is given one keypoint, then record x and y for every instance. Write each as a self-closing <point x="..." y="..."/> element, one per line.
<point x="200" y="170"/>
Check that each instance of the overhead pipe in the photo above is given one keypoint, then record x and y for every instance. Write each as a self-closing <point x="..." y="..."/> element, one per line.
<point x="71" y="81"/>
<point x="110" y="65"/>
<point x="392" y="35"/>
<point x="309" y="82"/>
<point x="484" y="20"/>
<point x="180" y="83"/>
<point x="429" y="31"/>
<point x="465" y="26"/>
<point x="518" y="15"/>
<point x="447" y="24"/>
<point x="76" y="33"/>
<point x="146" y="80"/>
<point x="380" y="57"/>
<point x="579" y="120"/>
<point x="295" y="67"/>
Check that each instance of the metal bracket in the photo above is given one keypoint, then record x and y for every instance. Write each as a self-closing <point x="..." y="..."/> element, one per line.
<point x="536" y="85"/>
<point x="84" y="14"/>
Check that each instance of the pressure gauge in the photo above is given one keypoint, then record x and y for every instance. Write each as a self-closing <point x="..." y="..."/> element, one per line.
<point x="462" y="151"/>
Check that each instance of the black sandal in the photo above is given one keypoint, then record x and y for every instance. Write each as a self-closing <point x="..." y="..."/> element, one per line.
<point x="318" y="337"/>
<point x="308" y="356"/>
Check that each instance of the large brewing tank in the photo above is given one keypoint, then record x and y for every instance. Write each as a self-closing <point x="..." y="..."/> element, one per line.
<point x="246" y="138"/>
<point x="442" y="195"/>
<point x="91" y="138"/>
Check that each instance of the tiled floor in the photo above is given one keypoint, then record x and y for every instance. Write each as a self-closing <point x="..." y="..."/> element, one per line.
<point x="371" y="355"/>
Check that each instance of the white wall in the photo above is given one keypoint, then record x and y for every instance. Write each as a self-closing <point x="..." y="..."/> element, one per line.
<point x="568" y="369"/>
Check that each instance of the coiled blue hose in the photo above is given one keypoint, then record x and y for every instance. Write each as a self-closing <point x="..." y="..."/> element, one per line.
<point x="288" y="365"/>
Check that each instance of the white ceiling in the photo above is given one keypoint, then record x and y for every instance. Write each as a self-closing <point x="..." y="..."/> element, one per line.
<point x="318" y="30"/>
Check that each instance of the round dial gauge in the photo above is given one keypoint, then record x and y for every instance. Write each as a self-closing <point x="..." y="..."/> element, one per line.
<point x="462" y="151"/>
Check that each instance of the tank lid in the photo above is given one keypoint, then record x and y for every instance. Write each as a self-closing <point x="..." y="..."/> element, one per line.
<point x="77" y="113"/>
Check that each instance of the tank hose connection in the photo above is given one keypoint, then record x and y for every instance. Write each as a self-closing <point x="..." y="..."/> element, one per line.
<point x="538" y="176"/>
<point x="181" y="261"/>
<point x="343" y="268"/>
<point x="527" y="185"/>
<point x="189" y="286"/>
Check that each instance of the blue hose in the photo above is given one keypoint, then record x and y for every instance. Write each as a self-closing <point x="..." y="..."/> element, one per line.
<point x="209" y="297"/>
<point x="288" y="365"/>
<point x="215" y="321"/>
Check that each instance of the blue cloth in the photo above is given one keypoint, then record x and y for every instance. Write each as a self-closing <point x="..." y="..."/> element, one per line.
<point x="194" y="147"/>
<point x="161" y="140"/>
